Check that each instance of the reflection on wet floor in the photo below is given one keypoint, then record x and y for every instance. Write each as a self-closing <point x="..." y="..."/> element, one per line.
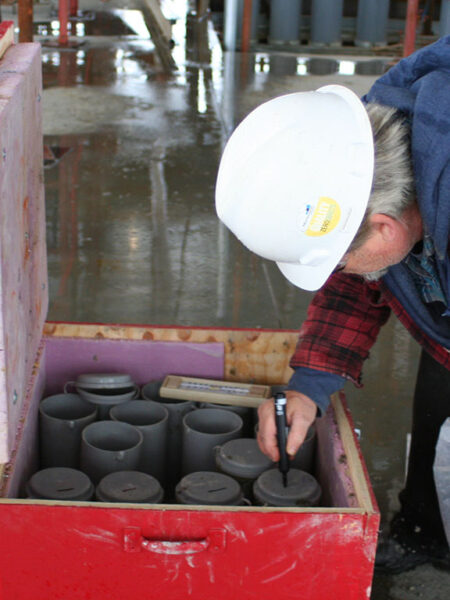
<point x="132" y="232"/>
<point x="281" y="65"/>
<point x="113" y="23"/>
<point x="122" y="112"/>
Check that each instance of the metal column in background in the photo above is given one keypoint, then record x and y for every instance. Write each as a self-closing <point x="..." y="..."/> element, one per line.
<point x="234" y="23"/>
<point x="249" y="17"/>
<point x="63" y="15"/>
<point x="73" y="8"/>
<point x="326" y="22"/>
<point x="409" y="45"/>
<point x="371" y="23"/>
<point x="231" y="11"/>
<point x="444" y="21"/>
<point x="25" y="21"/>
<point x="284" y="25"/>
<point x="255" y="21"/>
<point x="246" y="25"/>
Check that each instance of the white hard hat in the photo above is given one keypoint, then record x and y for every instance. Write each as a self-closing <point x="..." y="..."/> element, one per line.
<point x="295" y="178"/>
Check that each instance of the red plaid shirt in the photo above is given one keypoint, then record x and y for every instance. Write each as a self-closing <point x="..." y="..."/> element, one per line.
<point x="343" y="322"/>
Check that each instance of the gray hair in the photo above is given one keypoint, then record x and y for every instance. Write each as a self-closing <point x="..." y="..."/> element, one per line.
<point x="393" y="182"/>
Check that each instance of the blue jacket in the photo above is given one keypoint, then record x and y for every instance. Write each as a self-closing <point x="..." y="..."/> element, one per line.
<point x="418" y="86"/>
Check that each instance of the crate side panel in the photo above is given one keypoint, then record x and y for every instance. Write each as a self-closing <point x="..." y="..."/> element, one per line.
<point x="252" y="355"/>
<point x="75" y="552"/>
<point x="23" y="263"/>
<point x="331" y="464"/>
<point x="25" y="453"/>
<point x="66" y="358"/>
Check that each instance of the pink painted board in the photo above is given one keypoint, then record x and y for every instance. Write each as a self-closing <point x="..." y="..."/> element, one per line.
<point x="23" y="261"/>
<point x="145" y="360"/>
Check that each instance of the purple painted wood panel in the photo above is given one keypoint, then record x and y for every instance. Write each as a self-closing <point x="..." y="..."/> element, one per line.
<point x="62" y="359"/>
<point x="144" y="360"/>
<point x="331" y="464"/>
<point x="23" y="261"/>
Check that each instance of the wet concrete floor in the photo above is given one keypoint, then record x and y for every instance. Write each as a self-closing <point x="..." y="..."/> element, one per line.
<point x="131" y="229"/>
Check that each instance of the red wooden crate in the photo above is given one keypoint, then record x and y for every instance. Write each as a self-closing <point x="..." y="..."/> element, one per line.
<point x="85" y="550"/>
<point x="66" y="550"/>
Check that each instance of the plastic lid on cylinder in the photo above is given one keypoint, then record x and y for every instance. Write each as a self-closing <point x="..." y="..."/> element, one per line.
<point x="150" y="391"/>
<point x="302" y="489"/>
<point x="242" y="458"/>
<point x="60" y="483"/>
<point x="104" y="380"/>
<point x="208" y="487"/>
<point x="129" y="486"/>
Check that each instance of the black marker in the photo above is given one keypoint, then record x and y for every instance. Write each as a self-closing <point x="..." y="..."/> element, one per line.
<point x="280" y="420"/>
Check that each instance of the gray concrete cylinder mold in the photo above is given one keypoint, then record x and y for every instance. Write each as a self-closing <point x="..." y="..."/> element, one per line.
<point x="302" y="489"/>
<point x="326" y="22"/>
<point x="62" y="418"/>
<point x="371" y="23"/>
<point x="177" y="410"/>
<point x="60" y="483"/>
<point x="207" y="487"/>
<point x="204" y="429"/>
<point x="109" y="446"/>
<point x="284" y="26"/>
<point x="129" y="486"/>
<point x="151" y="418"/>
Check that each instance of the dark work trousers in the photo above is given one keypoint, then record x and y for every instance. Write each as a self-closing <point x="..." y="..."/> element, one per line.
<point x="418" y="524"/>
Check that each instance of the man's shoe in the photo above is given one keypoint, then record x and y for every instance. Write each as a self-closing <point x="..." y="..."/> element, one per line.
<point x="393" y="558"/>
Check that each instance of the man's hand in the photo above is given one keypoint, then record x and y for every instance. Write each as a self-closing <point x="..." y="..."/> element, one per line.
<point x="300" y="412"/>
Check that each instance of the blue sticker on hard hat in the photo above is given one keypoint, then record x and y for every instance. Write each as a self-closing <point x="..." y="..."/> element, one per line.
<point x="326" y="216"/>
<point x="305" y="218"/>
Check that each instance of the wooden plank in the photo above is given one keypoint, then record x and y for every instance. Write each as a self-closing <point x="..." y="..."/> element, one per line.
<point x="163" y="24"/>
<point x="160" y="32"/>
<point x="188" y="507"/>
<point x="251" y="355"/>
<point x="353" y="456"/>
<point x="6" y="36"/>
<point x="213" y="391"/>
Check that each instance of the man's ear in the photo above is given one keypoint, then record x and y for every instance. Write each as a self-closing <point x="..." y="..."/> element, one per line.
<point x="384" y="226"/>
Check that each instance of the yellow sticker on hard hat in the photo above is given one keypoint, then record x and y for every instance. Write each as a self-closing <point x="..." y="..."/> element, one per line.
<point x="326" y="216"/>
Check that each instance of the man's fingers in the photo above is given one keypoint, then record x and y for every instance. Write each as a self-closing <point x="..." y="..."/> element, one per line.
<point x="297" y="434"/>
<point x="267" y="433"/>
<point x="301" y="413"/>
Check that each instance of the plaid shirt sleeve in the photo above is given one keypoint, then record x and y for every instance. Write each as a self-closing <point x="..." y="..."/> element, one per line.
<point x="342" y="324"/>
